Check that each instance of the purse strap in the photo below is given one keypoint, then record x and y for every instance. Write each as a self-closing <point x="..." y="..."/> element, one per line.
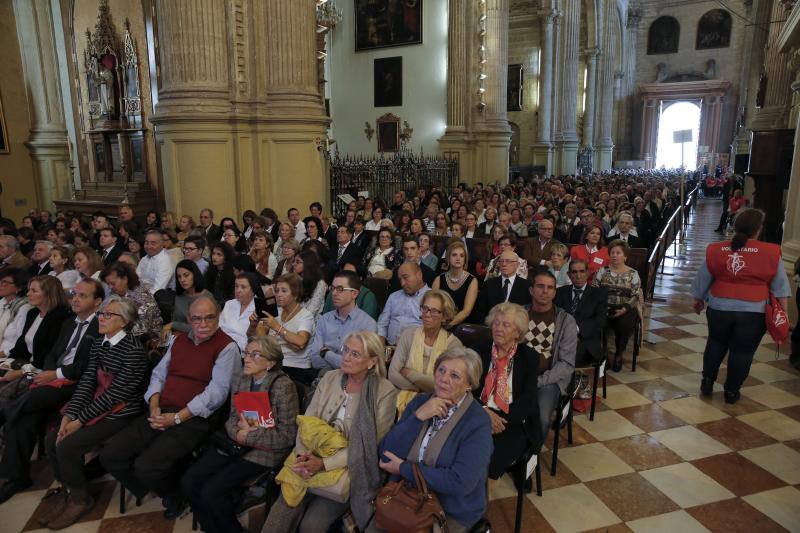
<point x="419" y="479"/>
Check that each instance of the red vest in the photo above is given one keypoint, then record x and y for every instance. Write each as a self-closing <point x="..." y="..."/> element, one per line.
<point x="190" y="368"/>
<point x="744" y="274"/>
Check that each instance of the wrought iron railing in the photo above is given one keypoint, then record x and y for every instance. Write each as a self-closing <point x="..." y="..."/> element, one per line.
<point x="382" y="176"/>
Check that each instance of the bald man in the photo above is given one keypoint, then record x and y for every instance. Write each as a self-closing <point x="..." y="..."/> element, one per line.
<point x="507" y="287"/>
<point x="402" y="308"/>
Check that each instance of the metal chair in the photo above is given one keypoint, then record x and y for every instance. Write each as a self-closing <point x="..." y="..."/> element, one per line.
<point x="564" y="415"/>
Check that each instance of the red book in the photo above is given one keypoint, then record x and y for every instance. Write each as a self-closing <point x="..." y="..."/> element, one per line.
<point x="255" y="407"/>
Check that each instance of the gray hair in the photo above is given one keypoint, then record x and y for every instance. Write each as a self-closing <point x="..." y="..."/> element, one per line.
<point x="373" y="347"/>
<point x="206" y="298"/>
<point x="126" y="308"/>
<point x="270" y="348"/>
<point x="513" y="311"/>
<point x="10" y="241"/>
<point x="627" y="215"/>
<point x="49" y="245"/>
<point x="471" y="360"/>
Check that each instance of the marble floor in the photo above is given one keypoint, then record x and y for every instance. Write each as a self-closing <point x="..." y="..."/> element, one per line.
<point x="657" y="457"/>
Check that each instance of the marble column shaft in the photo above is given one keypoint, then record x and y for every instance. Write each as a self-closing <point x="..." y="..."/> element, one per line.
<point x="546" y="76"/>
<point x="457" y="82"/>
<point x="606" y="79"/>
<point x="588" y="113"/>
<point x="568" y="63"/>
<point x="496" y="63"/>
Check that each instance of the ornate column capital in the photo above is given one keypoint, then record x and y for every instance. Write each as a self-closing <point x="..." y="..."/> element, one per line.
<point x="548" y="15"/>
<point x="634" y="17"/>
<point x="591" y="54"/>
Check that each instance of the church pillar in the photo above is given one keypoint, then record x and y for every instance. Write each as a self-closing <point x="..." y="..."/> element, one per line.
<point x="543" y="149"/>
<point x="48" y="143"/>
<point x="790" y="246"/>
<point x="647" y="149"/>
<point x="588" y="113"/>
<point x="777" y="99"/>
<point x="492" y="132"/>
<point x="604" y="144"/>
<point x="567" y="143"/>
<point x="624" y="134"/>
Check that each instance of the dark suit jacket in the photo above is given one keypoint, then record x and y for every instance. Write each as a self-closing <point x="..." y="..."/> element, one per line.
<point x="590" y="316"/>
<point x="352" y="254"/>
<point x="492" y="294"/>
<point x="537" y="254"/>
<point x="73" y="370"/>
<point x="214" y="234"/>
<point x="34" y="270"/>
<point x="481" y="230"/>
<point x="113" y="255"/>
<point x="576" y="234"/>
<point x="42" y="340"/>
<point x="633" y="241"/>
<point x="330" y="236"/>
<point x="362" y="241"/>
<point x="525" y="405"/>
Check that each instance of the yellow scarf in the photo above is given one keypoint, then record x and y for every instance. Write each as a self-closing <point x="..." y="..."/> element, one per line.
<point x="415" y="362"/>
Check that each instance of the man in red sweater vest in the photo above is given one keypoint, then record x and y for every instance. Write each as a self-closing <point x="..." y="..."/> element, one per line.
<point x="187" y="388"/>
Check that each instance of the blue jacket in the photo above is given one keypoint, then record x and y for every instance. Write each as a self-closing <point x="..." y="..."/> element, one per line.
<point x="459" y="477"/>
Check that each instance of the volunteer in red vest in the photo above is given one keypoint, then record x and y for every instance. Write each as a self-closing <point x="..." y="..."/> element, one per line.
<point x="186" y="390"/>
<point x="736" y="280"/>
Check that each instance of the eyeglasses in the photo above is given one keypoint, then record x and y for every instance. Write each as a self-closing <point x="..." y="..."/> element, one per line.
<point x="106" y="315"/>
<point x="347" y="352"/>
<point x="255" y="356"/>
<point x="198" y="319"/>
<point x="339" y="289"/>
<point x="6" y="282"/>
<point x="190" y="249"/>
<point x="425" y="310"/>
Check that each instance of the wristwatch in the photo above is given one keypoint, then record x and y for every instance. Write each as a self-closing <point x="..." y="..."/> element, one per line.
<point x="177" y="419"/>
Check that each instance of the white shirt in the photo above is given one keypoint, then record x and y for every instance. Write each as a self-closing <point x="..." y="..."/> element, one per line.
<point x="156" y="270"/>
<point x="70" y="356"/>
<point x="300" y="231"/>
<point x="235" y="323"/>
<point x="116" y="338"/>
<point x="68" y="278"/>
<point x="372" y="225"/>
<point x="510" y="284"/>
<point x="14" y="329"/>
<point x="32" y="332"/>
<point x="302" y="321"/>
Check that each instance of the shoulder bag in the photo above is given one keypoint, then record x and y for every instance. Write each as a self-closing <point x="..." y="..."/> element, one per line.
<point x="402" y="508"/>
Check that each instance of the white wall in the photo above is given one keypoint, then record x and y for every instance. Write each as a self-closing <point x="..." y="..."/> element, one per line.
<point x="424" y="83"/>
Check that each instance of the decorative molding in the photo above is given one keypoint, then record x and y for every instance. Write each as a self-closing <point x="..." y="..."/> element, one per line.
<point x="240" y="46"/>
<point x="369" y="131"/>
<point x="481" y="55"/>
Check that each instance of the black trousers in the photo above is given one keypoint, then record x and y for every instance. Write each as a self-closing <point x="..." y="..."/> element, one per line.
<point x="66" y="457"/>
<point x="211" y="484"/>
<point x="144" y="459"/>
<point x="623" y="327"/>
<point x="22" y="429"/>
<point x="738" y="334"/>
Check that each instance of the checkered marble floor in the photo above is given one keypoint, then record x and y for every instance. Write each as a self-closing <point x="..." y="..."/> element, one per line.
<point x="657" y="457"/>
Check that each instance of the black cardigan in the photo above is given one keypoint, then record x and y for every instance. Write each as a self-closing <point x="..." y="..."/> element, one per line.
<point x="43" y="340"/>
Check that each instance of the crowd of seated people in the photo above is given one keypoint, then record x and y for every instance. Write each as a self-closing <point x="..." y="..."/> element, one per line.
<point x="142" y="340"/>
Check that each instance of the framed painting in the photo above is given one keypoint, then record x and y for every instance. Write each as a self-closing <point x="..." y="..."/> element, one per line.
<point x="3" y="131"/>
<point x="388" y="74"/>
<point x="383" y="23"/>
<point x="388" y="133"/>
<point x="514" y="87"/>
<point x="663" y="36"/>
<point x="714" y="30"/>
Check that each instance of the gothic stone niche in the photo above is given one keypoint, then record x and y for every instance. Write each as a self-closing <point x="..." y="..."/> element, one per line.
<point x="663" y="36"/>
<point x="388" y="133"/>
<point x="714" y="30"/>
<point x="515" y="86"/>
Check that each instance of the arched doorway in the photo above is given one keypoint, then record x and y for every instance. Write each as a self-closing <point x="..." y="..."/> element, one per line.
<point x="675" y="117"/>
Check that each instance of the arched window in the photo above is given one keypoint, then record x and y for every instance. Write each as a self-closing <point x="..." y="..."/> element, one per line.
<point x="663" y="36"/>
<point x="714" y="30"/>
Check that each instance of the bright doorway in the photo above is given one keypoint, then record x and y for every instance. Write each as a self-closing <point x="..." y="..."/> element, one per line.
<point x="678" y="116"/>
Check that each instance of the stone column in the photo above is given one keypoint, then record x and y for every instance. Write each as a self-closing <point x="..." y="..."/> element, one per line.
<point x="543" y="149"/>
<point x="624" y="134"/>
<point x="48" y="142"/>
<point x="604" y="144"/>
<point x="492" y="131"/>
<point x="790" y="246"/>
<point x="775" y="113"/>
<point x="567" y="144"/>
<point x="588" y="113"/>
<point x="647" y="148"/>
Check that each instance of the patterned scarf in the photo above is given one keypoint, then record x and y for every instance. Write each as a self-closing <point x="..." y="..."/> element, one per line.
<point x="496" y="384"/>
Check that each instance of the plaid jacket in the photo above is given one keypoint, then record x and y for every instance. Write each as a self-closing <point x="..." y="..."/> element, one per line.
<point x="270" y="446"/>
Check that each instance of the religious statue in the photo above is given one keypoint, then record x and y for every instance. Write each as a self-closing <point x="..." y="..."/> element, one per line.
<point x="105" y="85"/>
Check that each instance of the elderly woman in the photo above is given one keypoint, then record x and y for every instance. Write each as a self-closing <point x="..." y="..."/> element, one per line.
<point x="426" y="254"/>
<point x="61" y="263"/>
<point x="211" y="483"/>
<point x="289" y="249"/>
<point x="384" y="257"/>
<point x="624" y="289"/>
<point x="293" y="325"/>
<point x="285" y="232"/>
<point x="108" y="395"/>
<point x="185" y="225"/>
<point x="458" y="283"/>
<point x="235" y="317"/>
<point x="123" y="281"/>
<point x="592" y="250"/>
<point x="559" y="264"/>
<point x="450" y="436"/>
<point x="14" y="306"/>
<point x="411" y="369"/>
<point x="358" y="402"/>
<point x="507" y="242"/>
<point x="508" y="386"/>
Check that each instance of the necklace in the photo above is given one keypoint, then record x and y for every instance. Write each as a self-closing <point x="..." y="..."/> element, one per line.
<point x="456" y="280"/>
<point x="286" y="317"/>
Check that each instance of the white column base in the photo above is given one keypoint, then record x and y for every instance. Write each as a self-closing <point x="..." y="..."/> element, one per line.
<point x="543" y="157"/>
<point x="603" y="157"/>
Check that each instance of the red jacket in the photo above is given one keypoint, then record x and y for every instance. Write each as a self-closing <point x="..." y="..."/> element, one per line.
<point x="594" y="261"/>
<point x="744" y="274"/>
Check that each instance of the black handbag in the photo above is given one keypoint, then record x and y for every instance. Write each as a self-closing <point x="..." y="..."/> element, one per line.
<point x="226" y="445"/>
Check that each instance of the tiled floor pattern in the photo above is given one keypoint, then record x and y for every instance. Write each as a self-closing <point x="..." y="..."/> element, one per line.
<point x="657" y="457"/>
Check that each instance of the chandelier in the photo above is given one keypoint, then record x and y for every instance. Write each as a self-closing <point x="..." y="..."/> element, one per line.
<point x="328" y="14"/>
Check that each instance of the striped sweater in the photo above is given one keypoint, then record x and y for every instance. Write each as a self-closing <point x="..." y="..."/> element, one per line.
<point x="127" y="362"/>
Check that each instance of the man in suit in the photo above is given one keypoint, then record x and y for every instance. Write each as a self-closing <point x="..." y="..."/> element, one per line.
<point x="110" y="249"/>
<point x="52" y="387"/>
<point x="346" y="251"/>
<point x="360" y="237"/>
<point x="586" y="221"/>
<point x="541" y="246"/>
<point x="41" y="259"/>
<point x="588" y="305"/>
<point x="507" y="287"/>
<point x="485" y="228"/>
<point x="213" y="233"/>
<point x="624" y="231"/>
<point x="10" y="256"/>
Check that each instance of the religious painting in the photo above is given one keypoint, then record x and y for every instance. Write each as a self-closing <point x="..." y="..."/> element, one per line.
<point x="388" y="133"/>
<point x="388" y="73"/>
<point x="382" y="23"/>
<point x="714" y="30"/>
<point x="663" y="36"/>
<point x="3" y="132"/>
<point x="137" y="156"/>
<point x="514" y="88"/>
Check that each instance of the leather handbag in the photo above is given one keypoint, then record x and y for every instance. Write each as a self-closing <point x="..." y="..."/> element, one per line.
<point x="403" y="508"/>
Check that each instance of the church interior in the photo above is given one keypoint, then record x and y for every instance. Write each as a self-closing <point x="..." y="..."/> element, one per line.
<point x="234" y="105"/>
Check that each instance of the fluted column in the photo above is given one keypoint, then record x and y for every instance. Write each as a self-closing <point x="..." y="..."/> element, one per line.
<point x="623" y="134"/>
<point x="567" y="146"/>
<point x="48" y="135"/>
<point x="647" y="148"/>
<point x="588" y="113"/>
<point x="543" y="149"/>
<point x="457" y="83"/>
<point x="604" y="144"/>
<point x="774" y="114"/>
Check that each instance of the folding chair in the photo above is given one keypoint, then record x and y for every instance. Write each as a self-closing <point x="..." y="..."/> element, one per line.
<point x="564" y="414"/>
